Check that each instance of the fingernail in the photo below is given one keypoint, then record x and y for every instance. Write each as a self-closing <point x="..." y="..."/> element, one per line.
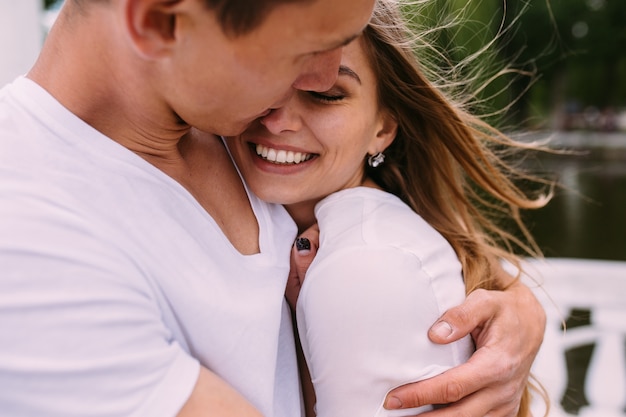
<point x="302" y="244"/>
<point x="393" y="403"/>
<point x="442" y="329"/>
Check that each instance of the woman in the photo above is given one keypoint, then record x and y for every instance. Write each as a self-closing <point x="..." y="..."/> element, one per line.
<point x="397" y="179"/>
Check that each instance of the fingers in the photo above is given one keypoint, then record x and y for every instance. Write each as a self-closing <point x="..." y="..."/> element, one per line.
<point x="507" y="327"/>
<point x="292" y="290"/>
<point x="471" y="389"/>
<point x="448" y="387"/>
<point x="479" y="404"/>
<point x="477" y="309"/>
<point x="302" y="254"/>
<point x="476" y="405"/>
<point x="305" y="249"/>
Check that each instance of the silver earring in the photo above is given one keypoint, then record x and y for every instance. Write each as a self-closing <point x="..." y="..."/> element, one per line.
<point x="375" y="160"/>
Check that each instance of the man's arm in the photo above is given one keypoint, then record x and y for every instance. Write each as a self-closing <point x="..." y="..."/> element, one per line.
<point x="212" y="396"/>
<point x="508" y="328"/>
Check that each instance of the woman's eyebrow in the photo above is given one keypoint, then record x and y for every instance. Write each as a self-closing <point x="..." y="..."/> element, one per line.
<point x="343" y="70"/>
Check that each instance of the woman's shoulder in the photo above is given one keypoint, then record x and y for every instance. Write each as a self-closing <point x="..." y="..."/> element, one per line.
<point x="376" y="215"/>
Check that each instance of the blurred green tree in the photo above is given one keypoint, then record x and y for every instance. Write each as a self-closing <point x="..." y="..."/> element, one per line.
<point x="579" y="50"/>
<point x="569" y="54"/>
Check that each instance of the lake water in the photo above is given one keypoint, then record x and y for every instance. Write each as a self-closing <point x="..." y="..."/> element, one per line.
<point x="587" y="217"/>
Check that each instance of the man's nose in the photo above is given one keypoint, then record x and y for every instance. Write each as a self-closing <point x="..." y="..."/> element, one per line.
<point x="321" y="71"/>
<point x="284" y="99"/>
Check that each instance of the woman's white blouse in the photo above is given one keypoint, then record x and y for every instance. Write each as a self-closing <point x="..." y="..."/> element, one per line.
<point x="381" y="278"/>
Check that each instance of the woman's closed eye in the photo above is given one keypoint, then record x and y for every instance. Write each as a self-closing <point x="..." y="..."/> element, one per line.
<point x="327" y="96"/>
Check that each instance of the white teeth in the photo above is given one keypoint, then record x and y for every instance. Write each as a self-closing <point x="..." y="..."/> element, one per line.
<point x="281" y="156"/>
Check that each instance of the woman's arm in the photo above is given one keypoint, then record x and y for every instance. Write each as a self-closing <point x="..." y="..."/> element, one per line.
<point x="507" y="327"/>
<point x="363" y="315"/>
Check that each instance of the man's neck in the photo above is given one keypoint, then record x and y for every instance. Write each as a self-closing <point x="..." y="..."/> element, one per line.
<point x="100" y="79"/>
<point x="87" y="71"/>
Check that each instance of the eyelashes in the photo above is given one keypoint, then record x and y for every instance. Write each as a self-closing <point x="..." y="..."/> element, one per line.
<point x="327" y="97"/>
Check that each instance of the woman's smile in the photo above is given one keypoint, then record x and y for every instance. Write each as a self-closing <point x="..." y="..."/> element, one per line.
<point x="317" y="142"/>
<point x="280" y="156"/>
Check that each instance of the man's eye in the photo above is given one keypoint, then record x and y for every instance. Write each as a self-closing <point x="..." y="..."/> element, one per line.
<point x="327" y="96"/>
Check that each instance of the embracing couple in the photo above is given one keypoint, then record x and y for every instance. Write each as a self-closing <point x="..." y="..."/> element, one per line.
<point x="149" y="267"/>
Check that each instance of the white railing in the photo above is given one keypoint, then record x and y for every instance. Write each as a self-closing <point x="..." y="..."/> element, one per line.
<point x="598" y="287"/>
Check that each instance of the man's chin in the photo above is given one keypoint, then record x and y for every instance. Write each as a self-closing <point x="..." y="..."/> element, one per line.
<point x="231" y="129"/>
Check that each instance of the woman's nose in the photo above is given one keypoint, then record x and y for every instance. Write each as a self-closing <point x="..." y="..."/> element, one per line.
<point x="283" y="119"/>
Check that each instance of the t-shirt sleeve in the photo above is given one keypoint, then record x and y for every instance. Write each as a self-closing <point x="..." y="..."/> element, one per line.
<point x="363" y="317"/>
<point x="80" y="334"/>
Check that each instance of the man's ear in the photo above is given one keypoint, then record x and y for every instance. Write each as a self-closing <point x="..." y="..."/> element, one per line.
<point x="151" y="25"/>
<point x="386" y="133"/>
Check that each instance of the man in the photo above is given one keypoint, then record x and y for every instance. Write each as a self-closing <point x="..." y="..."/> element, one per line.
<point x="138" y="276"/>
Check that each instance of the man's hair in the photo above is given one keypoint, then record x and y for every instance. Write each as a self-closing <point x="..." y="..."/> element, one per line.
<point x="238" y="17"/>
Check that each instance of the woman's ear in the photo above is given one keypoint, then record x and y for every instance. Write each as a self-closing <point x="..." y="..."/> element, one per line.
<point x="386" y="133"/>
<point x="151" y="25"/>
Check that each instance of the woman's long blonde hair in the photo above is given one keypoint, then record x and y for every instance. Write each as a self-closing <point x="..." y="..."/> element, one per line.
<point x="445" y="163"/>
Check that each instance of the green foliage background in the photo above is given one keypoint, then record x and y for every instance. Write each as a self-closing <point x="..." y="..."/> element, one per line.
<point x="569" y="54"/>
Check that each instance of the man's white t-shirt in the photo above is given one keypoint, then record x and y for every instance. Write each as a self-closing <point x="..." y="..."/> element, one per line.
<point x="381" y="278"/>
<point x="115" y="284"/>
